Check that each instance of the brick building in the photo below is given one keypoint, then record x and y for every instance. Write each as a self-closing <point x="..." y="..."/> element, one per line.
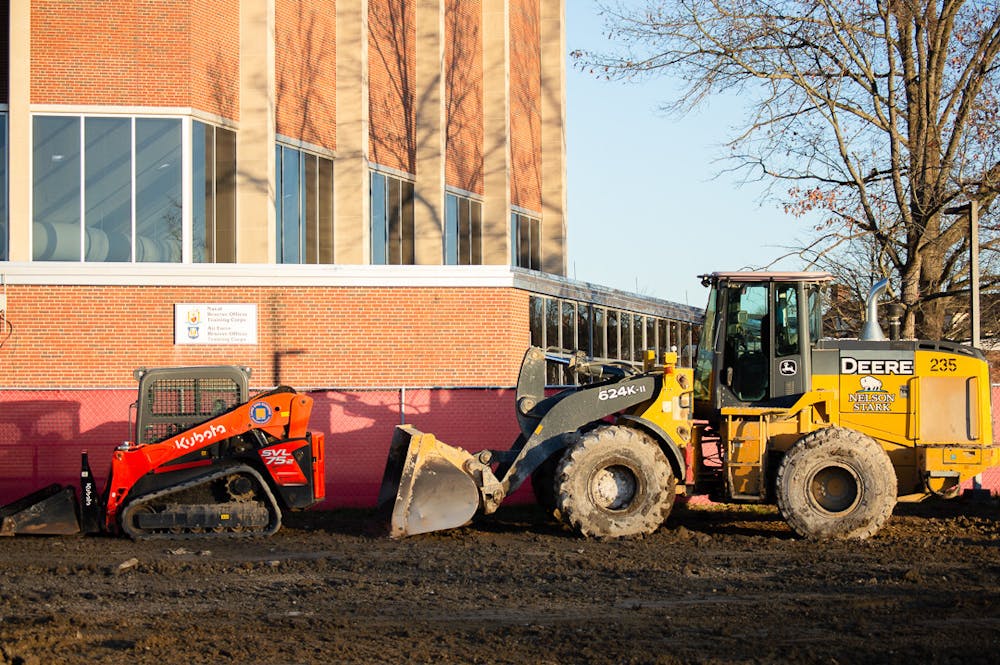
<point x="374" y="190"/>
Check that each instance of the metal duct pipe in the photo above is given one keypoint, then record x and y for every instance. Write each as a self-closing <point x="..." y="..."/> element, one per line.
<point x="872" y="332"/>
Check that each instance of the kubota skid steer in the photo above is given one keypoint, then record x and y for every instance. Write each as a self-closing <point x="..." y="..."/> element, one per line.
<point x="205" y="461"/>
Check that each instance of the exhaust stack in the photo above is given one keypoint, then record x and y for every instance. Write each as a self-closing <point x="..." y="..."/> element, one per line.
<point x="872" y="332"/>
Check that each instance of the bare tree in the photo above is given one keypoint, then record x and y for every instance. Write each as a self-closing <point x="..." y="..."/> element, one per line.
<point x="881" y="114"/>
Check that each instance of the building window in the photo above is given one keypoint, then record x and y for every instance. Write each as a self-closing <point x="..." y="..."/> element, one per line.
<point x="106" y="189"/>
<point x="213" y="176"/>
<point x="304" y="206"/>
<point x="392" y="220"/>
<point x="603" y="332"/>
<point x="525" y="241"/>
<point x="4" y="211"/>
<point x="463" y="231"/>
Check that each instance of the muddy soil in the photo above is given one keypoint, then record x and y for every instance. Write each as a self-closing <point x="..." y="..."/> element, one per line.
<point x="716" y="585"/>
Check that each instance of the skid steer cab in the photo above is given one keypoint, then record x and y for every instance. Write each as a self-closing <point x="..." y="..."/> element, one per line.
<point x="204" y="460"/>
<point x="833" y="431"/>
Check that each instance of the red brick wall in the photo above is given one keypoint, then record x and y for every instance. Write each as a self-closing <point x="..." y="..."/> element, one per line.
<point x="136" y="53"/>
<point x="525" y="104"/>
<point x="306" y="70"/>
<point x="391" y="77"/>
<point x="94" y="336"/>
<point x="464" y="90"/>
<point x="215" y="57"/>
<point x="42" y="434"/>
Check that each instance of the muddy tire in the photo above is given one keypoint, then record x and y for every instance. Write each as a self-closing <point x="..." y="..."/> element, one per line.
<point x="614" y="482"/>
<point x="543" y="483"/>
<point x="836" y="483"/>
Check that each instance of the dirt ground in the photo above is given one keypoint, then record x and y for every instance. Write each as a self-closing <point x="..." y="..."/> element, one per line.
<point x="716" y="585"/>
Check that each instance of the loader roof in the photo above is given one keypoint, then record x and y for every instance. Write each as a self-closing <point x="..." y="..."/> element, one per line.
<point x="766" y="276"/>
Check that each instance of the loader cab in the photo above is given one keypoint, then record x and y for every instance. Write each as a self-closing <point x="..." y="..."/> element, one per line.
<point x="755" y="346"/>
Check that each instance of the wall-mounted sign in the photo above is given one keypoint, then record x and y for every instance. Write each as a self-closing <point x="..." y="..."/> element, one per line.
<point x="215" y="323"/>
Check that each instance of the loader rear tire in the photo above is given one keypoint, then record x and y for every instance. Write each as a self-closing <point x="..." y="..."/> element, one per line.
<point x="836" y="483"/>
<point x="543" y="483"/>
<point x="614" y="482"/>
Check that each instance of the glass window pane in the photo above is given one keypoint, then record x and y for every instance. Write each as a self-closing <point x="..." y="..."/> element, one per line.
<point x="108" y="194"/>
<point x="536" y="318"/>
<point x="569" y="326"/>
<point x="663" y="342"/>
<point x="524" y="242"/>
<point x="291" y="207"/>
<point x="637" y="342"/>
<point x="476" y="212"/>
<point x="613" y="337"/>
<point x="598" y="336"/>
<point x="786" y="321"/>
<point x="536" y="244"/>
<point x="464" y="232"/>
<point x="225" y="196"/>
<point x="325" y="211"/>
<point x="158" y="190"/>
<point x="202" y="192"/>
<point x="625" y="335"/>
<point x="650" y="342"/>
<point x="450" y="230"/>
<point x="310" y="226"/>
<point x="407" y="229"/>
<point x="56" y="188"/>
<point x="394" y="220"/>
<point x="514" y="244"/>
<point x="378" y="218"/>
<point x="583" y="331"/>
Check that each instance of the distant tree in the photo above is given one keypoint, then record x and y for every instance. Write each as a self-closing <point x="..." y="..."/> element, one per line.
<point x="881" y="114"/>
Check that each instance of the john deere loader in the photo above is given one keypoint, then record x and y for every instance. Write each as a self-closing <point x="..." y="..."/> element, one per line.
<point x="835" y="431"/>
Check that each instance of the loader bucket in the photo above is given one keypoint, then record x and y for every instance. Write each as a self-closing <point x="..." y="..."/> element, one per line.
<point x="49" y="511"/>
<point x="425" y="484"/>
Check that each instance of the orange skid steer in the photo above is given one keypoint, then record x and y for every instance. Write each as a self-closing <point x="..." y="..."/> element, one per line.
<point x="205" y="461"/>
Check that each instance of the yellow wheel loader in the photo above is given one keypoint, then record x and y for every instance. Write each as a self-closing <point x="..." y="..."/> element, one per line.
<point x="834" y="431"/>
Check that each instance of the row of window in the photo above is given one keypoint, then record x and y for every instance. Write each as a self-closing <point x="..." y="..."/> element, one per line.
<point x="111" y="189"/>
<point x="393" y="231"/>
<point x="605" y="333"/>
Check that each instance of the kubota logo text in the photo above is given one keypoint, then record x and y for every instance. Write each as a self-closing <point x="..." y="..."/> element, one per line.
<point x="198" y="438"/>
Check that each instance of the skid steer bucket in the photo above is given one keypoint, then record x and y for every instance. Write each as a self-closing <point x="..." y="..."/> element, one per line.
<point x="426" y="485"/>
<point x="49" y="511"/>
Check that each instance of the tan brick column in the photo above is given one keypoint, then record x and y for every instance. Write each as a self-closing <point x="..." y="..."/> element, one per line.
<point x="496" y="132"/>
<point x="553" y="103"/>
<point x="428" y="208"/>
<point x="19" y="132"/>
<point x="255" y="216"/>
<point x="350" y="168"/>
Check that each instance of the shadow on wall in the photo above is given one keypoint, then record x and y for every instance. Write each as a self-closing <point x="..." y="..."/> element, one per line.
<point x="42" y="434"/>
<point x="359" y="427"/>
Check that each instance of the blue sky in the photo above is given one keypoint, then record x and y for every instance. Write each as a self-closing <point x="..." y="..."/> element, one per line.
<point x="648" y="208"/>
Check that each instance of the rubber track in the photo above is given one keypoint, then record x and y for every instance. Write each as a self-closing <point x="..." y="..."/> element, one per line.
<point x="139" y="534"/>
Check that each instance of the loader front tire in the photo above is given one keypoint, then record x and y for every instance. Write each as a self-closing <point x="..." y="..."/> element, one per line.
<point x="614" y="482"/>
<point x="836" y="483"/>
